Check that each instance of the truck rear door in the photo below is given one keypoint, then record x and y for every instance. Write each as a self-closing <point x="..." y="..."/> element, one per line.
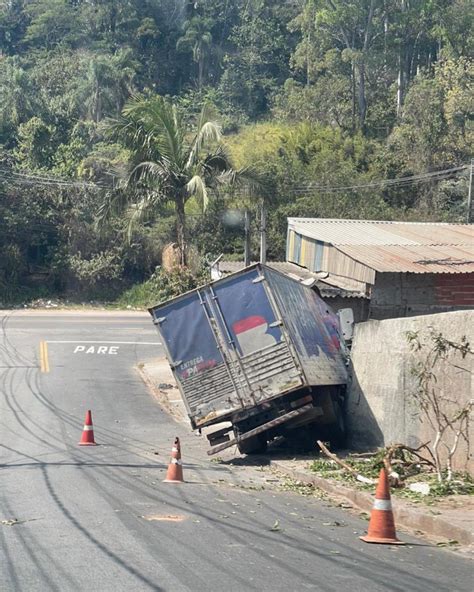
<point x="226" y="347"/>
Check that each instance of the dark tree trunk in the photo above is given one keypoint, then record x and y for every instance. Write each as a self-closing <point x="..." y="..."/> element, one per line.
<point x="401" y="82"/>
<point x="353" y="97"/>
<point x="200" y="73"/>
<point x="362" y="98"/>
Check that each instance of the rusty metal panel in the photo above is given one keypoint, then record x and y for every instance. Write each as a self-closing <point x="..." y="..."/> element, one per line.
<point x="414" y="258"/>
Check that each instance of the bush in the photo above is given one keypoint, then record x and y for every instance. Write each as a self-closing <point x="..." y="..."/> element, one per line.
<point x="162" y="286"/>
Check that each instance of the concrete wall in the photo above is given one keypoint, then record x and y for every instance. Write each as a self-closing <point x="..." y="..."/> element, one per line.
<point x="410" y="294"/>
<point x="381" y="409"/>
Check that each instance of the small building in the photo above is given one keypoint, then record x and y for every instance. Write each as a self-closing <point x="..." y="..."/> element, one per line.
<point x="402" y="268"/>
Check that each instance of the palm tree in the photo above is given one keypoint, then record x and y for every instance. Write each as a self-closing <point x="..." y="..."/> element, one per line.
<point x="198" y="38"/>
<point x="168" y="163"/>
<point x="108" y="83"/>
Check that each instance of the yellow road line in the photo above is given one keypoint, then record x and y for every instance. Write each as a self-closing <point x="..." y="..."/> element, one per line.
<point x="44" y="360"/>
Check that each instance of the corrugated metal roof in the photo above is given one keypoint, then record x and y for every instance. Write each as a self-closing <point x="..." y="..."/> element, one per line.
<point x="396" y="246"/>
<point x="368" y="232"/>
<point x="414" y="258"/>
<point x="328" y="286"/>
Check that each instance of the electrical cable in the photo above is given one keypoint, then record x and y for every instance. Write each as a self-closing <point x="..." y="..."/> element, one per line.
<point x="32" y="179"/>
<point x="401" y="181"/>
<point x="28" y="179"/>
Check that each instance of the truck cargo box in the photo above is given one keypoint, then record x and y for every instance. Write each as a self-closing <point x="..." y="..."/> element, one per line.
<point x="247" y="339"/>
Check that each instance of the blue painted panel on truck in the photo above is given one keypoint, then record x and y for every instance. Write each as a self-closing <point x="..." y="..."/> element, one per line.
<point x="188" y="336"/>
<point x="247" y="312"/>
<point x="313" y="328"/>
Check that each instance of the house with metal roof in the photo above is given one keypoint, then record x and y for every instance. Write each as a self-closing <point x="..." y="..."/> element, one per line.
<point x="403" y="268"/>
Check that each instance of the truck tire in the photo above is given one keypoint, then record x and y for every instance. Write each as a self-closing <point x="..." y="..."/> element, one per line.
<point x="254" y="445"/>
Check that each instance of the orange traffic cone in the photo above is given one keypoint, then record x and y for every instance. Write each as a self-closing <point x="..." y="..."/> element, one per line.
<point x="87" y="438"/>
<point x="381" y="525"/>
<point x="174" y="474"/>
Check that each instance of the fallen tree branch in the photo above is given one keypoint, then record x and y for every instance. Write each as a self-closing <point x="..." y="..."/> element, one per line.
<point x="391" y="450"/>
<point x="406" y="465"/>
<point x="344" y="465"/>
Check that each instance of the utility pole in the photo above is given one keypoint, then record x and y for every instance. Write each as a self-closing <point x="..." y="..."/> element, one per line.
<point x="469" y="195"/>
<point x="263" y="233"/>
<point x="247" y="239"/>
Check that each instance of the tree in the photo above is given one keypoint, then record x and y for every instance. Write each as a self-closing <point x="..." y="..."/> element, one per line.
<point x="17" y="101"/>
<point x="109" y="82"/>
<point x="168" y="165"/>
<point x="198" y="38"/>
<point x="448" y="417"/>
<point x="355" y="27"/>
<point x="53" y="22"/>
<point x="258" y="59"/>
<point x="35" y="149"/>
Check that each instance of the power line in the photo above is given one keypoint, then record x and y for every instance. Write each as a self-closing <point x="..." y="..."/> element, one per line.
<point x="401" y="181"/>
<point x="33" y="179"/>
<point x="398" y="182"/>
<point x="29" y="179"/>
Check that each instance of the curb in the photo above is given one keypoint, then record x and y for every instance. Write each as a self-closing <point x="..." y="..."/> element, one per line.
<point x="162" y="397"/>
<point x="405" y="516"/>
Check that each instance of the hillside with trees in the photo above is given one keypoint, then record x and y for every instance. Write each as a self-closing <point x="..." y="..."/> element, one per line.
<point x="128" y="125"/>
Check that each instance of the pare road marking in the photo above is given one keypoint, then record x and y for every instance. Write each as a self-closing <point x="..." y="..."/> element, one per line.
<point x="99" y="349"/>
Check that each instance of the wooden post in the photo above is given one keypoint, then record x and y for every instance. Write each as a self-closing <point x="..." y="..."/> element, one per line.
<point x="469" y="195"/>
<point x="247" y="239"/>
<point x="263" y="234"/>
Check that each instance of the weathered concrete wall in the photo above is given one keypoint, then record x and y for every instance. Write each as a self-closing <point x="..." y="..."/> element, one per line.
<point x="381" y="408"/>
<point x="411" y="294"/>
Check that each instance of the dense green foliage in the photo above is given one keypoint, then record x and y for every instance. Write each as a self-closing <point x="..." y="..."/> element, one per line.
<point x="312" y="94"/>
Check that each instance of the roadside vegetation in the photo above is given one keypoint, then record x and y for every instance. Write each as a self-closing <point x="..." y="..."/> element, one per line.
<point x="306" y="101"/>
<point x="370" y="465"/>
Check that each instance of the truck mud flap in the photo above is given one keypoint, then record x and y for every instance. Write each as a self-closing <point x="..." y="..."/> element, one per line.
<point x="262" y="428"/>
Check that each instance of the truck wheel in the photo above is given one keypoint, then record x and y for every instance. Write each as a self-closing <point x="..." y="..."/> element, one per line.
<point x="254" y="445"/>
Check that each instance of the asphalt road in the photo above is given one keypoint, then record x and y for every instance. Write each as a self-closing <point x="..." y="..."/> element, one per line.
<point x="100" y="518"/>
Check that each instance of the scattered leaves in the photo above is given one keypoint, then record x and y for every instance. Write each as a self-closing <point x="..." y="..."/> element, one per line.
<point x="275" y="527"/>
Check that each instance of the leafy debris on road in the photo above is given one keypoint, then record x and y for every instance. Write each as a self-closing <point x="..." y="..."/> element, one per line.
<point x="164" y="517"/>
<point x="334" y="523"/>
<point x="275" y="527"/>
<point x="450" y="543"/>
<point x="15" y="521"/>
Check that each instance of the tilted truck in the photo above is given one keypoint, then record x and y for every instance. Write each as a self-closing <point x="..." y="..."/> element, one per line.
<point x="261" y="351"/>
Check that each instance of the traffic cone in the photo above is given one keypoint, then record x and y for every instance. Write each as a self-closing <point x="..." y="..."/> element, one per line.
<point x="381" y="525"/>
<point x="174" y="474"/>
<point x="87" y="438"/>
